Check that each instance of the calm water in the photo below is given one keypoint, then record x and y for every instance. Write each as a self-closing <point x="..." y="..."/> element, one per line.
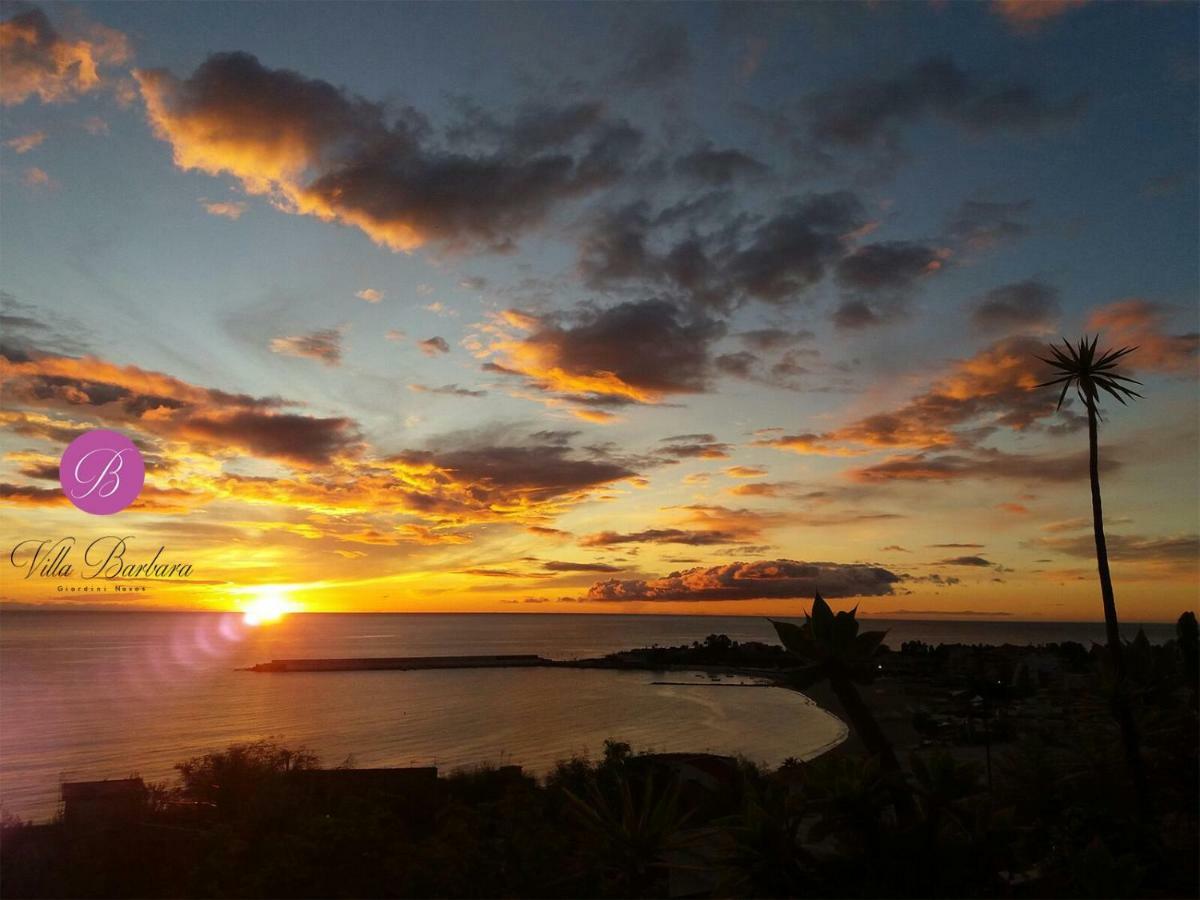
<point x="106" y="695"/>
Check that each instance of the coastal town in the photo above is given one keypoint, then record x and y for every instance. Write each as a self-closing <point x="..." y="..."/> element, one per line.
<point x="997" y="743"/>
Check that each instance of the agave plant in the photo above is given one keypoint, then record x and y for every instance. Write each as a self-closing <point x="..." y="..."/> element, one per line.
<point x="764" y="853"/>
<point x="833" y="649"/>
<point x="632" y="837"/>
<point x="1089" y="372"/>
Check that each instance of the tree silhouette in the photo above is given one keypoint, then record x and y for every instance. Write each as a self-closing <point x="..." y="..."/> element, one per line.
<point x="834" y="650"/>
<point x="1080" y="366"/>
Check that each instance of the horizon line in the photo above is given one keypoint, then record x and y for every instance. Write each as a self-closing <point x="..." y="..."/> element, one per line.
<point x="898" y="616"/>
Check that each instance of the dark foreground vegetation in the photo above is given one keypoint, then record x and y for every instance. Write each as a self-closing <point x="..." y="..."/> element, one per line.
<point x="1055" y="813"/>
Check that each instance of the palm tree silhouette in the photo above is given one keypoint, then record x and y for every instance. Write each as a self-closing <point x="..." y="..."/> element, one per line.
<point x="1089" y="373"/>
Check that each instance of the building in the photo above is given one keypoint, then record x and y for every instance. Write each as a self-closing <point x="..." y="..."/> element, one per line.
<point x="90" y="804"/>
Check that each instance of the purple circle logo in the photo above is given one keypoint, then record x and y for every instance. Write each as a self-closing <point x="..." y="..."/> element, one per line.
<point x="101" y="472"/>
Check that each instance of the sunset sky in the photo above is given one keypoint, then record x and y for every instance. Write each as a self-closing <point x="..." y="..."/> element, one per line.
<point x="604" y="308"/>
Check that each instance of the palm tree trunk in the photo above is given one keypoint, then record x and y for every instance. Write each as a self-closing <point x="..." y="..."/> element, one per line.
<point x="1120" y="699"/>
<point x="1112" y="631"/>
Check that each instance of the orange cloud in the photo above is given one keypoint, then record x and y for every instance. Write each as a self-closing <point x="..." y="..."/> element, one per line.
<point x="38" y="61"/>
<point x="745" y="471"/>
<point x="189" y="434"/>
<point x="35" y="177"/>
<point x="172" y="409"/>
<point x="758" y="489"/>
<point x="996" y="387"/>
<point x="25" y="142"/>
<point x="228" y="209"/>
<point x="1024" y="15"/>
<point x="1143" y="323"/>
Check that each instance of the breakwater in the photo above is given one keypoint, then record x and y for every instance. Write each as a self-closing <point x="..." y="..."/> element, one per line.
<point x="403" y="663"/>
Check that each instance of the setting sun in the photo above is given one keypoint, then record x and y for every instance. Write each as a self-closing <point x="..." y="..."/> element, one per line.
<point x="268" y="606"/>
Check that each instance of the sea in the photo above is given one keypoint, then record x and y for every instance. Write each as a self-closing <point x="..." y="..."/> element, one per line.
<point x="92" y="695"/>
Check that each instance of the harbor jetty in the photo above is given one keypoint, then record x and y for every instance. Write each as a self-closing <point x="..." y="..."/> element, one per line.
<point x="402" y="663"/>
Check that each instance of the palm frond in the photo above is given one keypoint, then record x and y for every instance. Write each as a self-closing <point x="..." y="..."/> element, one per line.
<point x="1079" y="365"/>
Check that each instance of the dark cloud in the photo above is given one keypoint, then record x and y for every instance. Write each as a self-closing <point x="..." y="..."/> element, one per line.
<point x="325" y="346"/>
<point x="1182" y="549"/>
<point x="434" y="346"/>
<point x="499" y="468"/>
<point x="774" y="259"/>
<point x="887" y="266"/>
<point x="1023" y="306"/>
<point x="767" y="339"/>
<point x="982" y="225"/>
<point x="26" y="495"/>
<point x="448" y="390"/>
<point x="659" y="54"/>
<point x="25" y="329"/>
<point x="558" y="566"/>
<point x="534" y="128"/>
<point x="1167" y="185"/>
<point x="696" y="446"/>
<point x="984" y="464"/>
<point x="854" y="314"/>
<point x="878" y="280"/>
<point x="699" y="525"/>
<point x="501" y="573"/>
<point x="871" y="113"/>
<point x="791" y="251"/>
<point x="546" y="531"/>
<point x="615" y="248"/>
<point x="319" y="151"/>
<point x="966" y="561"/>
<point x="635" y="352"/>
<point x="718" y="168"/>
<point x="934" y="578"/>
<point x="765" y="579"/>
<point x="694" y="538"/>
<point x="302" y="439"/>
<point x="41" y="469"/>
<point x="740" y="365"/>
